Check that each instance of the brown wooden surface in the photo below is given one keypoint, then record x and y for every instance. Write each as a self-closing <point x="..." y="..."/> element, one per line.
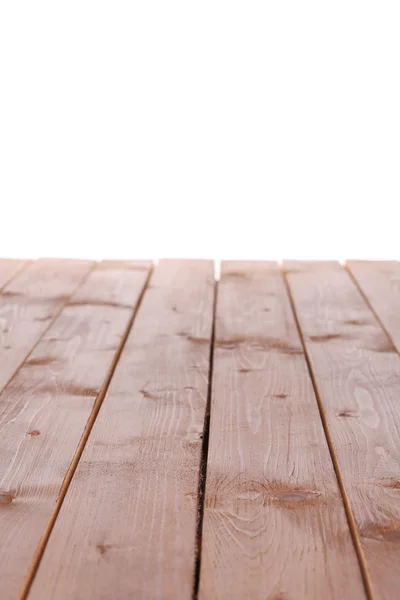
<point x="127" y="528"/>
<point x="357" y="373"/>
<point x="274" y="522"/>
<point x="28" y="305"/>
<point x="44" y="410"/>
<point x="105" y="488"/>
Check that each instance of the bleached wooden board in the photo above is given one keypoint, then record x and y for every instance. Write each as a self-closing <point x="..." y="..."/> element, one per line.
<point x="357" y="373"/>
<point x="274" y="522"/>
<point x="127" y="528"/>
<point x="44" y="410"/>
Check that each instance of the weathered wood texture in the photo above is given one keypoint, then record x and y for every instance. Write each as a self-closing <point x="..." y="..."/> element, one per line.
<point x="29" y="303"/>
<point x="127" y="527"/>
<point x="9" y="268"/>
<point x="44" y="410"/>
<point x="380" y="284"/>
<point x="274" y="522"/>
<point x="357" y="373"/>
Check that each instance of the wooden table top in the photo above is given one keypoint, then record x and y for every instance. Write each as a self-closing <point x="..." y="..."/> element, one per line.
<point x="167" y="434"/>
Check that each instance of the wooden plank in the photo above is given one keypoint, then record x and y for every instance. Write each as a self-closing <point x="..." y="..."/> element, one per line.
<point x="29" y="303"/>
<point x="9" y="267"/>
<point x="357" y="372"/>
<point x="380" y="284"/>
<point x="45" y="409"/>
<point x="127" y="528"/>
<point x="274" y="522"/>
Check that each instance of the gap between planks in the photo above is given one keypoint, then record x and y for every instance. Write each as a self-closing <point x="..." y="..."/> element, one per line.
<point x="370" y="306"/>
<point x="204" y="451"/>
<point x="23" y="594"/>
<point x="16" y="274"/>
<point x="349" y="513"/>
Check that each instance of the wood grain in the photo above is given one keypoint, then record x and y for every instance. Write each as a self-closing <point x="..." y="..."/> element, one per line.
<point x="9" y="268"/>
<point x="380" y="284"/>
<point x="44" y="410"/>
<point x="29" y="303"/>
<point x="274" y="523"/>
<point x="127" y="527"/>
<point x="357" y="372"/>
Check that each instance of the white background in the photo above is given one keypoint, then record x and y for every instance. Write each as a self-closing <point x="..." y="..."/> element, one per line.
<point x="212" y="129"/>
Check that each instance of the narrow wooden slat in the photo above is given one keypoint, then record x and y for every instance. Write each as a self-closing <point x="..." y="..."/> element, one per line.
<point x="274" y="522"/>
<point x="127" y="527"/>
<point x="44" y="410"/>
<point x="29" y="303"/>
<point x="9" y="267"/>
<point x="380" y="284"/>
<point x="357" y="373"/>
